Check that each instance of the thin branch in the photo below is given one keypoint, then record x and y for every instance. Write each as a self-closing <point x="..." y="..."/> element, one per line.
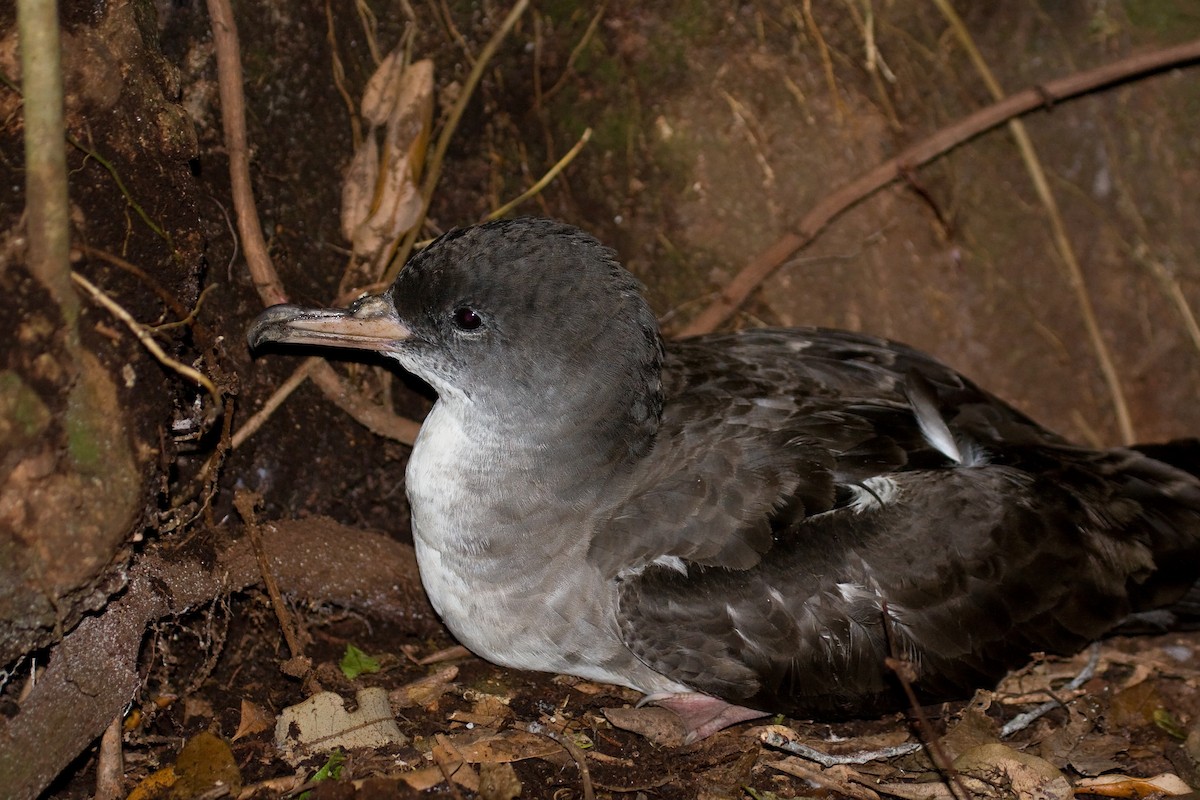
<point x="545" y="180"/>
<point x="943" y="141"/>
<point x="400" y="255"/>
<point x="1033" y="164"/>
<point x="233" y="114"/>
<point x="137" y="207"/>
<point x="143" y="335"/>
<point x="245" y="502"/>
<point x="564" y="740"/>
<point x="569" y="68"/>
<point x="233" y="118"/>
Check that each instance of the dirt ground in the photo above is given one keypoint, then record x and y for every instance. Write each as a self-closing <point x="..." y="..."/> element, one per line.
<point x="714" y="127"/>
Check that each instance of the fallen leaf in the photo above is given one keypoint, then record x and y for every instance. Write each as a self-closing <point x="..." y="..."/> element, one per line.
<point x="1009" y="770"/>
<point x="498" y="781"/>
<point x="454" y="762"/>
<point x="358" y="186"/>
<point x="205" y="763"/>
<point x="504" y="746"/>
<point x="973" y="729"/>
<point x="155" y="785"/>
<point x="424" y="691"/>
<point x="379" y="96"/>
<point x="1125" y="786"/>
<point x="355" y="662"/>
<point x="1135" y="706"/>
<point x="380" y="196"/>
<point x="659" y="725"/>
<point x="254" y="719"/>
<point x="322" y="723"/>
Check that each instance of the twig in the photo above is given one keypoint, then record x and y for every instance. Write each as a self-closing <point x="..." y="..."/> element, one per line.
<point x="1058" y="229"/>
<point x="943" y="141"/>
<point x="233" y="114"/>
<point x="171" y="301"/>
<point x="143" y="335"/>
<point x="585" y="774"/>
<point x="772" y="738"/>
<point x="588" y="33"/>
<point x="251" y="426"/>
<point x="1173" y="290"/>
<point x="826" y="62"/>
<point x="545" y="180"/>
<point x="434" y="173"/>
<point x="245" y="502"/>
<point x="447" y="773"/>
<point x="339" y="78"/>
<point x="123" y="189"/>
<point x="1022" y="721"/>
<point x="906" y="673"/>
<point x="233" y="117"/>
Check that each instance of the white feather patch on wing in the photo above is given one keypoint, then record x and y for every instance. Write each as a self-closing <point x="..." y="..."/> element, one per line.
<point x="929" y="419"/>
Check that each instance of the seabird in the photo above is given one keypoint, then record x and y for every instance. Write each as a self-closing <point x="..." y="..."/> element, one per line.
<point x="741" y="523"/>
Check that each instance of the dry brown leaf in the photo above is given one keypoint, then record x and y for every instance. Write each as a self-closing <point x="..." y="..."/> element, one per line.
<point x="490" y="706"/>
<point x="498" y="781"/>
<point x="254" y="719"/>
<point x="379" y="97"/>
<point x="205" y="763"/>
<point x="1027" y="776"/>
<point x="1125" y="786"/>
<point x="424" y="691"/>
<point x="504" y="746"/>
<point x="380" y="196"/>
<point x="1134" y="707"/>
<point x="659" y="725"/>
<point x="358" y="186"/>
<point x="454" y="762"/>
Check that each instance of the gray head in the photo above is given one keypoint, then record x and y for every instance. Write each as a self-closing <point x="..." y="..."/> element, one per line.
<point x="521" y="322"/>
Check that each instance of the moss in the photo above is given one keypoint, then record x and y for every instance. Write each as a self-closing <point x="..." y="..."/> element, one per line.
<point x="1169" y="20"/>
<point x="97" y="440"/>
<point x="23" y="415"/>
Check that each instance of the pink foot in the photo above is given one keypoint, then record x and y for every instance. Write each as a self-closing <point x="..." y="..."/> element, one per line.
<point x="702" y="715"/>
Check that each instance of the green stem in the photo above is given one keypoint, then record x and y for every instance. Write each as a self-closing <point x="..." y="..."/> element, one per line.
<point x="46" y="201"/>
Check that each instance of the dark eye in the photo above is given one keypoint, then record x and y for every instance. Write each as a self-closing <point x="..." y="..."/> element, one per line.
<point x="466" y="319"/>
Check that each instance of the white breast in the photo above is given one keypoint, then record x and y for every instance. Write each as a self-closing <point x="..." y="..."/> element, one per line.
<point x="529" y="602"/>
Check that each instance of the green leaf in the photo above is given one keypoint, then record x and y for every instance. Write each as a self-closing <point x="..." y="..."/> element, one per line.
<point x="355" y="662"/>
<point x="1167" y="722"/>
<point x="331" y="771"/>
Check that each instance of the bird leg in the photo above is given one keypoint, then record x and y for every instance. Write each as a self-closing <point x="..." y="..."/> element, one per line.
<point x="702" y="715"/>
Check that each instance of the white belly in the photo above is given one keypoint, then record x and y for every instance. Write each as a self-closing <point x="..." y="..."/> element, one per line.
<point x="521" y="602"/>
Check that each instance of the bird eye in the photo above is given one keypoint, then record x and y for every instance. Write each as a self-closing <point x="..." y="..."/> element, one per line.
<point x="466" y="319"/>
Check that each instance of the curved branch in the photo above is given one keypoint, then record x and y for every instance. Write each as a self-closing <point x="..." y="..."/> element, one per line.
<point x="266" y="280"/>
<point x="943" y="141"/>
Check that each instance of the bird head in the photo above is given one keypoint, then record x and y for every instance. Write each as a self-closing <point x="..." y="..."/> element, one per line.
<point x="516" y="319"/>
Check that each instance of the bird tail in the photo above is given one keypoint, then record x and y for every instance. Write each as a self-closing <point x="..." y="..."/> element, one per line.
<point x="1182" y="454"/>
<point x="1165" y="480"/>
